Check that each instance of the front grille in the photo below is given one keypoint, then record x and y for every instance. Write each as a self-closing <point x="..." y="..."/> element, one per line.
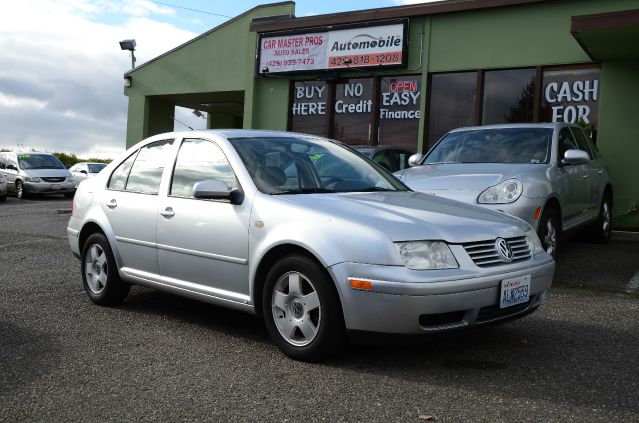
<point x="56" y="179"/>
<point x="493" y="312"/>
<point x="440" y="319"/>
<point x="484" y="253"/>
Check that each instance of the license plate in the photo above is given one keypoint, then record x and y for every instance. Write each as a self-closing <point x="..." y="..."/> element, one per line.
<point x="56" y="186"/>
<point x="514" y="291"/>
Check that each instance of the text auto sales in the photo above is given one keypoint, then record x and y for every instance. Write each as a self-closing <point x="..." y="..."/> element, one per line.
<point x="401" y="93"/>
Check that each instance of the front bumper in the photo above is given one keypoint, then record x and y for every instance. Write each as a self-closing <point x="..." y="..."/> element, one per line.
<point x="48" y="188"/>
<point x="404" y="301"/>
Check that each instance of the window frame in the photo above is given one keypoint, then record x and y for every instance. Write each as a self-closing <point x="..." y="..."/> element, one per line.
<point x="172" y="174"/>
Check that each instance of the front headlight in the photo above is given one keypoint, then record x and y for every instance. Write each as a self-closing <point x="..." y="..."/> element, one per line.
<point x="533" y="242"/>
<point x="70" y="179"/>
<point x="424" y="255"/>
<point x="506" y="192"/>
<point x="32" y="179"/>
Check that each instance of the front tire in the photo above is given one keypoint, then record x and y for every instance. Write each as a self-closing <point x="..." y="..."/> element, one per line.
<point x="20" y="190"/>
<point x="100" y="276"/>
<point x="549" y="230"/>
<point x="301" y="309"/>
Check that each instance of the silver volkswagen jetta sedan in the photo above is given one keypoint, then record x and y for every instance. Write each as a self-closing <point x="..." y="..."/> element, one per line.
<point x="258" y="221"/>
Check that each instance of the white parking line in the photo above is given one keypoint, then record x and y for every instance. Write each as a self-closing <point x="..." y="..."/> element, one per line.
<point x="633" y="285"/>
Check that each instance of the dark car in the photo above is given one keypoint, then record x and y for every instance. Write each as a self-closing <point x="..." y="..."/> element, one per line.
<point x="392" y="158"/>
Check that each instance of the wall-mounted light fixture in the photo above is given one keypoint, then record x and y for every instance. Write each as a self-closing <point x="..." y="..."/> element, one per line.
<point x="265" y="69"/>
<point x="130" y="46"/>
<point x="128" y="81"/>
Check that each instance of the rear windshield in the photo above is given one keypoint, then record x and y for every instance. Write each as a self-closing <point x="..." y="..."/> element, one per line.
<point x="39" y="161"/>
<point x="494" y="145"/>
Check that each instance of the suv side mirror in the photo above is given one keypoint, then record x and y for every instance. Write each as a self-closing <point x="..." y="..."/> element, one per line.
<point x="216" y="189"/>
<point x="415" y="159"/>
<point x="83" y="171"/>
<point x="11" y="167"/>
<point x="575" y="157"/>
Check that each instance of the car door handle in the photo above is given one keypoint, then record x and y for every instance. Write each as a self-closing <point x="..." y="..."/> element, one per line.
<point x="585" y="176"/>
<point x="112" y="204"/>
<point x="600" y="172"/>
<point x="168" y="212"/>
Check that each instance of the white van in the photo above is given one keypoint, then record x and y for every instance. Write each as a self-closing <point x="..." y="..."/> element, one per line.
<point x="35" y="173"/>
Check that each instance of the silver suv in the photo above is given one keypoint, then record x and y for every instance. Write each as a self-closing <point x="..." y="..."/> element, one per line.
<point x="29" y="172"/>
<point x="551" y="175"/>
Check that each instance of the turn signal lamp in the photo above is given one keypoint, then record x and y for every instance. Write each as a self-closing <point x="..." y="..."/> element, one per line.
<point x="360" y="284"/>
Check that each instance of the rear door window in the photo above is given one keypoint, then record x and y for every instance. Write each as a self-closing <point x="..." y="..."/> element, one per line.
<point x="146" y="172"/>
<point x="121" y="173"/>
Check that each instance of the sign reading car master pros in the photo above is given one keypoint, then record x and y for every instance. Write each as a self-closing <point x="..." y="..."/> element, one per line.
<point x="356" y="47"/>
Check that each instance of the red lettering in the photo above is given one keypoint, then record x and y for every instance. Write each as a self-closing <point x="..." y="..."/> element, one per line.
<point x="403" y="86"/>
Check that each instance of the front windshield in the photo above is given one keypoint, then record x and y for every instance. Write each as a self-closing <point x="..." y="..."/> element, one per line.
<point x="96" y="167"/>
<point x="287" y="165"/>
<point x="493" y="145"/>
<point x="39" y="161"/>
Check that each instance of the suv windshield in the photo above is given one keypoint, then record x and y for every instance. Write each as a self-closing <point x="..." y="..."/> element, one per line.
<point x="493" y="145"/>
<point x="96" y="167"/>
<point x="300" y="165"/>
<point x="39" y="161"/>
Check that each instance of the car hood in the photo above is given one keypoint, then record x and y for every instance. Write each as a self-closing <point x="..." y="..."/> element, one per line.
<point x="47" y="173"/>
<point x="462" y="176"/>
<point x="404" y="216"/>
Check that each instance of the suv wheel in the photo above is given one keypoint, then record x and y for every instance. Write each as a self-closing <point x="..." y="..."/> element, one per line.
<point x="602" y="228"/>
<point x="549" y="231"/>
<point x="301" y="310"/>
<point x="100" y="276"/>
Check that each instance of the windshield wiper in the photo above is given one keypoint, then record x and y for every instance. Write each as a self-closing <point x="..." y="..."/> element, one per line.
<point x="304" y="191"/>
<point x="372" y="189"/>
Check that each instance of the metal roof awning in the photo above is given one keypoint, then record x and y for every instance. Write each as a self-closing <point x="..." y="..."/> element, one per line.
<point x="608" y="36"/>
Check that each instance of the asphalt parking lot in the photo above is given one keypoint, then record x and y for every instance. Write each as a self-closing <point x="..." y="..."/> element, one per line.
<point x="160" y="357"/>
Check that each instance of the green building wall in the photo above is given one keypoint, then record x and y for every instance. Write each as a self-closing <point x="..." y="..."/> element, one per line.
<point x="538" y="34"/>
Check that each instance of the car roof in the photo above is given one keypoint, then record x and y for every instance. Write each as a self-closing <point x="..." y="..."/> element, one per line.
<point x="516" y="125"/>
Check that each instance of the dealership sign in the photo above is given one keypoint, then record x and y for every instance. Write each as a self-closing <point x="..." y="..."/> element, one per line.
<point x="369" y="46"/>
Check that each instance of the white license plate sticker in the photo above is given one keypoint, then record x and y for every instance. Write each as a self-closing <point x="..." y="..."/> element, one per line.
<point x="514" y="291"/>
<point x="55" y="186"/>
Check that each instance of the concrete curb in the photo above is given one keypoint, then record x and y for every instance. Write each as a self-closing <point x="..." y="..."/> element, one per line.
<point x="625" y="236"/>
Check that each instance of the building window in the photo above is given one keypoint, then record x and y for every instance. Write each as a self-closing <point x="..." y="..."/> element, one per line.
<point x="509" y="96"/>
<point x="571" y="95"/>
<point x="452" y="103"/>
<point x="399" y="114"/>
<point x="352" y="111"/>
<point x="551" y="94"/>
<point x="308" y="112"/>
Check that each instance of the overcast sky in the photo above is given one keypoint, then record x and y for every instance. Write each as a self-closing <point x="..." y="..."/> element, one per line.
<point x="61" y="67"/>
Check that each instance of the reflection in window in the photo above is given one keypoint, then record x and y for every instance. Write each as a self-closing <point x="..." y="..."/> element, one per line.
<point x="353" y="111"/>
<point x="197" y="161"/>
<point x="121" y="173"/>
<point x="509" y="96"/>
<point x="399" y="113"/>
<point x="308" y="111"/>
<point x="146" y="173"/>
<point x="452" y="103"/>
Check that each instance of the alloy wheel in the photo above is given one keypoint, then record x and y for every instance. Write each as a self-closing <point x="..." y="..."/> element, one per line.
<point x="95" y="268"/>
<point x="550" y="237"/>
<point x="296" y="309"/>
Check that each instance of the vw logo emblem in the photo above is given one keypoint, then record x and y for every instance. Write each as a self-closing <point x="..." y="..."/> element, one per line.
<point x="504" y="250"/>
<point x="297" y="308"/>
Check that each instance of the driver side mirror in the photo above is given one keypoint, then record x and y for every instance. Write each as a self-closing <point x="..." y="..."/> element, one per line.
<point x="415" y="159"/>
<point x="575" y="157"/>
<point x="215" y="189"/>
<point x="11" y="167"/>
<point x="84" y="171"/>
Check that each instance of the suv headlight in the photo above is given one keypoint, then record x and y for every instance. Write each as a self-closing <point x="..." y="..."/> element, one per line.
<point x="70" y="179"/>
<point x="32" y="179"/>
<point x="533" y="242"/>
<point x="506" y="192"/>
<point x="423" y="255"/>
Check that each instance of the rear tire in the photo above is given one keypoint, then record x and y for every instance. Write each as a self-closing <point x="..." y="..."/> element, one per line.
<point x="600" y="230"/>
<point x="100" y="276"/>
<point x="301" y="309"/>
<point x="549" y="230"/>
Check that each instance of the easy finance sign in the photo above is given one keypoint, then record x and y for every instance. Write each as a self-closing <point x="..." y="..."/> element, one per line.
<point x="382" y="45"/>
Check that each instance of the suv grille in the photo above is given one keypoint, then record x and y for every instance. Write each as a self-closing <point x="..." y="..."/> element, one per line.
<point x="56" y="179"/>
<point x="484" y="253"/>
